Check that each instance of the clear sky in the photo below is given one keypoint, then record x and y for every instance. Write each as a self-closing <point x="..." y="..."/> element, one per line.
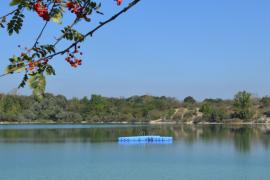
<point x="174" y="48"/>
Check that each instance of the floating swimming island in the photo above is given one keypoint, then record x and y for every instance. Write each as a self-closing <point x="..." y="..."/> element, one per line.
<point x="145" y="139"/>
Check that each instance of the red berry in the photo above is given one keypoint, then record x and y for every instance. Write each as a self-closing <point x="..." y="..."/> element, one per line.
<point x="70" y="5"/>
<point x="119" y="2"/>
<point x="42" y="11"/>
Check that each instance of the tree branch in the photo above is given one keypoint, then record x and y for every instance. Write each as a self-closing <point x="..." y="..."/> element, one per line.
<point x="10" y="13"/>
<point x="40" y="34"/>
<point x="2" y="75"/>
<point x="90" y="33"/>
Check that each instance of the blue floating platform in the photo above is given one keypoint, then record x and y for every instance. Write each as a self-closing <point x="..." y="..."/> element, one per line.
<point x="145" y="139"/>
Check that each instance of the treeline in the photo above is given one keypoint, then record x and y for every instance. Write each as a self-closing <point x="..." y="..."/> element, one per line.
<point x="96" y="109"/>
<point x="59" y="109"/>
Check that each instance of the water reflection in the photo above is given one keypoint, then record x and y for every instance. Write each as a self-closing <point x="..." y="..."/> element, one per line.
<point x="242" y="137"/>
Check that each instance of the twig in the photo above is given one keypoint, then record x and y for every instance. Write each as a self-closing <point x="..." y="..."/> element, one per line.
<point x="10" y="13"/>
<point x="62" y="36"/>
<point x="40" y="34"/>
<point x="2" y="75"/>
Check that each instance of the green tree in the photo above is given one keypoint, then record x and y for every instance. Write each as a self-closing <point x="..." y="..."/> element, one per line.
<point x="10" y="105"/>
<point x="243" y="105"/>
<point x="98" y="105"/>
<point x="189" y="100"/>
<point x="265" y="101"/>
<point x="190" y="103"/>
<point x="212" y="113"/>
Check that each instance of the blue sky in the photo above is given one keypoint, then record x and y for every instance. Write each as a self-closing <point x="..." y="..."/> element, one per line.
<point x="174" y="48"/>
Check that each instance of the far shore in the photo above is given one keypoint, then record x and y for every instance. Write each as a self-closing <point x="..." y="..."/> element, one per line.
<point x="136" y="123"/>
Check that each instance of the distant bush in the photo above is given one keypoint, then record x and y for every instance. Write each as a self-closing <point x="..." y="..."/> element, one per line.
<point x="189" y="100"/>
<point x="265" y="101"/>
<point x="212" y="113"/>
<point x="243" y="106"/>
<point x="267" y="114"/>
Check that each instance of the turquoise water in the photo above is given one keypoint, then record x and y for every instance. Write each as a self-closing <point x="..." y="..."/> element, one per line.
<point x="88" y="152"/>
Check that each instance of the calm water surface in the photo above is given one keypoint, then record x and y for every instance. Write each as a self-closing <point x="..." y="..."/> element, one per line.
<point x="90" y="152"/>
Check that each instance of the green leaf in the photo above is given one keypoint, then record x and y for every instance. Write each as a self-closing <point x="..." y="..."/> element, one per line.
<point x="15" y="2"/>
<point x="57" y="18"/>
<point x="37" y="83"/>
<point x="20" y="69"/>
<point x="50" y="70"/>
<point x="57" y="15"/>
<point x="72" y="34"/>
<point x="24" y="80"/>
<point x="16" y="22"/>
<point x="14" y="59"/>
<point x="15" y="68"/>
<point x="9" y="69"/>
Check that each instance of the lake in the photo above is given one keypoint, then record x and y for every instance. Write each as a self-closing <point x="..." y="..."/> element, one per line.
<point x="91" y="152"/>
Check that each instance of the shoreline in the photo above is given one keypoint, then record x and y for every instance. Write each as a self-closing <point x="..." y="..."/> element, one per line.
<point x="134" y="123"/>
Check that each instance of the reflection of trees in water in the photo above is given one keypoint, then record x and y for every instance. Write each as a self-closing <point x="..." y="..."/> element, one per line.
<point x="265" y="138"/>
<point x="242" y="136"/>
<point x="213" y="132"/>
<point x="242" y="139"/>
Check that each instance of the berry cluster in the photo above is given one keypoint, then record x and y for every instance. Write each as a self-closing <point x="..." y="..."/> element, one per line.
<point x="119" y="2"/>
<point x="77" y="9"/>
<point x="74" y="7"/>
<point x="42" y="10"/>
<point x="72" y="59"/>
<point x="31" y="64"/>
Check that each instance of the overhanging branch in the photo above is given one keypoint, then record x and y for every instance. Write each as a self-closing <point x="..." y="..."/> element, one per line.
<point x="88" y="34"/>
<point x="91" y="33"/>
